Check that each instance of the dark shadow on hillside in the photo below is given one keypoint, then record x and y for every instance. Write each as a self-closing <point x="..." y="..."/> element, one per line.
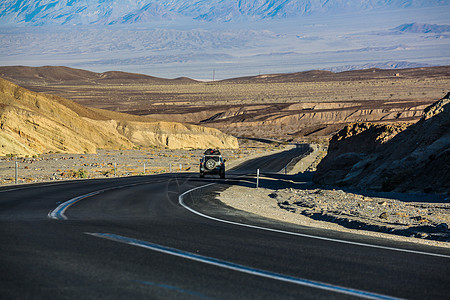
<point x="407" y="162"/>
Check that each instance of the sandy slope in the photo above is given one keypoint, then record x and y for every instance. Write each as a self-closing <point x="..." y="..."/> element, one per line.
<point x="33" y="123"/>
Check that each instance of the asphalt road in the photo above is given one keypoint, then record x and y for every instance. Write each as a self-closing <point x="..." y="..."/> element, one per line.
<point x="165" y="237"/>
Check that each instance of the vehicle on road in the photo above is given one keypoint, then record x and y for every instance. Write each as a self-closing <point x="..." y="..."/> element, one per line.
<point x="212" y="163"/>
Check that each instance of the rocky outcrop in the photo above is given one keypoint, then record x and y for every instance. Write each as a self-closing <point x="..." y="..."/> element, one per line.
<point x="392" y="157"/>
<point x="294" y="121"/>
<point x="33" y="123"/>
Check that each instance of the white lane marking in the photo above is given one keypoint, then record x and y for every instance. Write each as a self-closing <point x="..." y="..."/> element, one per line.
<point x="239" y="268"/>
<point x="181" y="202"/>
<point x="58" y="212"/>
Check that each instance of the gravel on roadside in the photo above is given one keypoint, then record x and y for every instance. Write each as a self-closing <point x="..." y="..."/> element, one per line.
<point x="420" y="218"/>
<point x="117" y="163"/>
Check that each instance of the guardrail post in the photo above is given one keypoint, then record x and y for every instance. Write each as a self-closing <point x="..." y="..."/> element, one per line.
<point x="257" y="178"/>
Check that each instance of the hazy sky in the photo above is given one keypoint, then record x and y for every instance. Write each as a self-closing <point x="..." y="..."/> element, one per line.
<point x="171" y="45"/>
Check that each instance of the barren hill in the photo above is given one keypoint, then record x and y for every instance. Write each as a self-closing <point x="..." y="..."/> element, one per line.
<point x="30" y="76"/>
<point x="279" y="106"/>
<point x="353" y="75"/>
<point x="32" y="123"/>
<point x="392" y="156"/>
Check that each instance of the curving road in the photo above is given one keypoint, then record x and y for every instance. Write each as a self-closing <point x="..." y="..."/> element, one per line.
<point x="165" y="237"/>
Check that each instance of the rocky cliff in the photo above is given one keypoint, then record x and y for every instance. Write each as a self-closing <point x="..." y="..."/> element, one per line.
<point x="33" y="123"/>
<point x="392" y="157"/>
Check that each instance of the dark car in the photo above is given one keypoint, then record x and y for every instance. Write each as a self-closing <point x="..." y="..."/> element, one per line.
<point x="212" y="163"/>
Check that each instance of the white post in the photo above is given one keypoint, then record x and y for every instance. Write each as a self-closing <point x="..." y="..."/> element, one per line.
<point x="115" y="170"/>
<point x="17" y="172"/>
<point x="144" y="168"/>
<point x="170" y="168"/>
<point x="181" y="167"/>
<point x="257" y="178"/>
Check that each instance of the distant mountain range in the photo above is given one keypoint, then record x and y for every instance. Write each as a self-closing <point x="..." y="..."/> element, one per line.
<point x="227" y="38"/>
<point x="422" y="28"/>
<point x="385" y="65"/>
<point x="83" y="12"/>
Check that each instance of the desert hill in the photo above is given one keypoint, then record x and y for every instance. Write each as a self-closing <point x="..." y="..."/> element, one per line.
<point x="30" y="76"/>
<point x="353" y="75"/>
<point x="24" y="76"/>
<point x="33" y="123"/>
<point x="392" y="157"/>
<point x="286" y="107"/>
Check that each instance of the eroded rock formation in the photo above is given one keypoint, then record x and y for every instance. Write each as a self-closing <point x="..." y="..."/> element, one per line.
<point x="33" y="123"/>
<point x="392" y="157"/>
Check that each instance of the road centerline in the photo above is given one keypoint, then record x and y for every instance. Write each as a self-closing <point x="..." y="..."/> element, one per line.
<point x="239" y="268"/>
<point x="59" y="212"/>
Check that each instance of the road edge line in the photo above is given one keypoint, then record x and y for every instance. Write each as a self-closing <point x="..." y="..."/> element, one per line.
<point x="183" y="204"/>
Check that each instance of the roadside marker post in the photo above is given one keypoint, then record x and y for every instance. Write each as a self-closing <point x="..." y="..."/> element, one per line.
<point x="181" y="167"/>
<point x="115" y="170"/>
<point x="257" y="178"/>
<point x="16" y="177"/>
<point x="144" y="168"/>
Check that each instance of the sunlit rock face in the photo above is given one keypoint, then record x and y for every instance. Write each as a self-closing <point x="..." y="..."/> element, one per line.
<point x="33" y="123"/>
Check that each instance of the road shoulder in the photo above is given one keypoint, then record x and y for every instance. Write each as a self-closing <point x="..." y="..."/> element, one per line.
<point x="421" y="219"/>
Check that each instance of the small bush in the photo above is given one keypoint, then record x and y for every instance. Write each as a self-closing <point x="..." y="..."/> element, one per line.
<point x="82" y="173"/>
